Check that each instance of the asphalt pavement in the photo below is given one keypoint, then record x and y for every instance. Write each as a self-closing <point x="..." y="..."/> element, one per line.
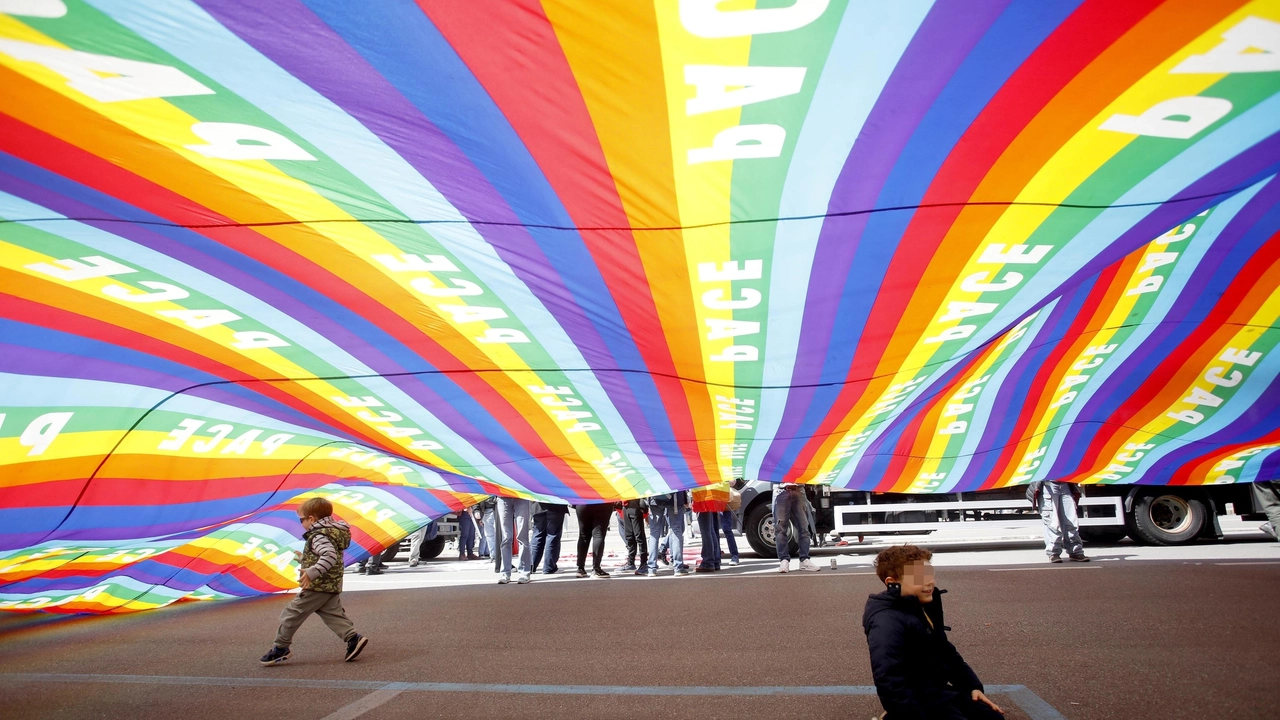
<point x="1121" y="637"/>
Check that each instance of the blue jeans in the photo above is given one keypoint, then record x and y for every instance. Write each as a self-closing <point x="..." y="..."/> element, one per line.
<point x="466" y="534"/>
<point x="667" y="522"/>
<point x="513" y="516"/>
<point x="709" y="528"/>
<point x="726" y="524"/>
<point x="789" y="509"/>
<point x="490" y="527"/>
<point x="547" y="530"/>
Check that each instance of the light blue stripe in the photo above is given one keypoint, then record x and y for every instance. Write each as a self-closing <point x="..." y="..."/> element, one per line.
<point x="244" y="71"/>
<point x="871" y="39"/>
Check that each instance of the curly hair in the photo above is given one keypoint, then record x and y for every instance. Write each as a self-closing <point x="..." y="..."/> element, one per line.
<point x="316" y="507"/>
<point x="891" y="561"/>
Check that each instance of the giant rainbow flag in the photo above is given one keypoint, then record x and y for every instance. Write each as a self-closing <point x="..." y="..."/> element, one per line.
<point x="404" y="254"/>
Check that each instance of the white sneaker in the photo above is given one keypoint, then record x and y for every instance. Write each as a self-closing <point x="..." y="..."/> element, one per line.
<point x="523" y="579"/>
<point x="784" y="565"/>
<point x="809" y="566"/>
<point x="504" y="578"/>
<point x="1268" y="529"/>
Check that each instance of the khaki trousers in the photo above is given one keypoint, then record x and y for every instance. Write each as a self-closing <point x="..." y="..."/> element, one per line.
<point x="327" y="605"/>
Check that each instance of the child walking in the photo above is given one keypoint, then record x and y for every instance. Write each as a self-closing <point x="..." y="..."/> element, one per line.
<point x="324" y="539"/>
<point x="919" y="674"/>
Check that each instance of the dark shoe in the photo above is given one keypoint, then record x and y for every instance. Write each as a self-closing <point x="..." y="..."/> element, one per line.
<point x="582" y="573"/>
<point x="354" y="646"/>
<point x="276" y="656"/>
<point x="1078" y="558"/>
<point x="1055" y="559"/>
<point x="600" y="573"/>
<point x="645" y="572"/>
<point x="665" y="557"/>
<point x="682" y="570"/>
<point x="704" y="569"/>
<point x="473" y="556"/>
<point x="552" y="571"/>
<point x="374" y="571"/>
<point x="364" y="570"/>
<point x="629" y="567"/>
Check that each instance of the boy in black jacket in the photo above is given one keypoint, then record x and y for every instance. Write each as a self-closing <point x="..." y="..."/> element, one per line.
<point x="919" y="674"/>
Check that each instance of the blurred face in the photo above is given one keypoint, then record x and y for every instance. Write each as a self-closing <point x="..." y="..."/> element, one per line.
<point x="916" y="581"/>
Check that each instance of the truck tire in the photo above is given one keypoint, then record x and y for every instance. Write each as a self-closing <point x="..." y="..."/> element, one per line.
<point x="390" y="553"/>
<point x="757" y="525"/>
<point x="433" y="548"/>
<point x="1161" y="517"/>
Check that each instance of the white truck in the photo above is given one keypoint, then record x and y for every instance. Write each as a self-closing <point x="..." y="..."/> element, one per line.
<point x="1150" y="514"/>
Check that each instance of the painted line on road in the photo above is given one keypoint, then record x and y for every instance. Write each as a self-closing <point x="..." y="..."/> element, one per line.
<point x="1252" y="562"/>
<point x="1035" y="707"/>
<point x="377" y="698"/>
<point x="1059" y="569"/>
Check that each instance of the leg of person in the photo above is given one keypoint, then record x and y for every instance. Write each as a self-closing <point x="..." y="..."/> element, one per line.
<point x="298" y="609"/>
<point x="335" y="617"/>
<point x="1267" y="494"/>
<point x="491" y="530"/>
<point x="1070" y="524"/>
<point x="726" y="524"/>
<point x="781" y="528"/>
<point x="1052" y="533"/>
<point x="415" y="545"/>
<point x="713" y="525"/>
<point x="676" y="541"/>
<point x="539" y="540"/>
<point x="658" y="527"/>
<point x="635" y="516"/>
<point x="555" y="530"/>
<point x="506" y="531"/>
<point x="521" y="507"/>
<point x="627" y="530"/>
<point x="599" y="528"/>
<point x="705" y="525"/>
<point x="584" y="538"/>
<point x="466" y="535"/>
<point x="801" y="520"/>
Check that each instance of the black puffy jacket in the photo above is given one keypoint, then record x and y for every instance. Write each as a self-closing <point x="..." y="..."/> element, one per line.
<point x="918" y="672"/>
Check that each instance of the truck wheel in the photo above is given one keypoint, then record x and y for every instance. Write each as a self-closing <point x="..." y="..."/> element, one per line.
<point x="433" y="548"/>
<point x="757" y="525"/>
<point x="1164" y="518"/>
<point x="390" y="553"/>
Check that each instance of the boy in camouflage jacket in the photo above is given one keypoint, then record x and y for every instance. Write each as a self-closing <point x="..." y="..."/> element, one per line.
<point x="320" y="577"/>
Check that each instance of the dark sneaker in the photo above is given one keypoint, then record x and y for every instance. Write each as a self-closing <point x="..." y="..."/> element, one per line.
<point x="1055" y="559"/>
<point x="354" y="646"/>
<point x="629" y="567"/>
<point x="582" y="573"/>
<point x="704" y="569"/>
<point x="665" y="557"/>
<point x="374" y="571"/>
<point x="682" y="570"/>
<point x="276" y="656"/>
<point x="1078" y="558"/>
<point x="551" y="572"/>
<point x="600" y="573"/>
<point x="645" y="572"/>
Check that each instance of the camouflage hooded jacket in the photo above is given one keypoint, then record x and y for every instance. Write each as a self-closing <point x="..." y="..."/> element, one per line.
<point x="322" y="553"/>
